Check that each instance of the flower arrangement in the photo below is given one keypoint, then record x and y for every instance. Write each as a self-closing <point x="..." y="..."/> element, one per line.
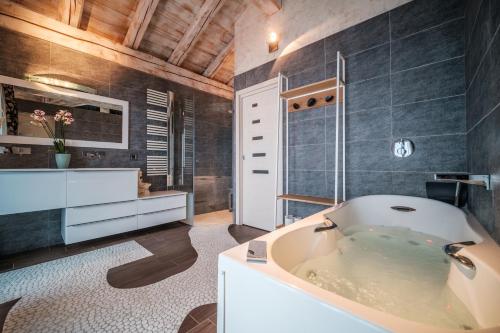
<point x="62" y="117"/>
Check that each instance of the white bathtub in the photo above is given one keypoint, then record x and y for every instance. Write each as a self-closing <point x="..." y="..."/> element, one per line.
<point x="255" y="297"/>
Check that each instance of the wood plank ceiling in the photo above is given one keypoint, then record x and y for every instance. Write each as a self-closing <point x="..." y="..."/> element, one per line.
<point x="196" y="35"/>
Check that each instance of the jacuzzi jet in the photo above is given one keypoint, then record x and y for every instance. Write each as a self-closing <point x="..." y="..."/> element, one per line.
<point x="311" y="275"/>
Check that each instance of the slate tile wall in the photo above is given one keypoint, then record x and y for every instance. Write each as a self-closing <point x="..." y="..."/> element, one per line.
<point x="482" y="70"/>
<point x="405" y="78"/>
<point x="21" y="54"/>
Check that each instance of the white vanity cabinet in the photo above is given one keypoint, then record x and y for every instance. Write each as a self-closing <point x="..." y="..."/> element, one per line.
<point x="161" y="207"/>
<point x="23" y="191"/>
<point x="99" y="203"/>
<point x="105" y="219"/>
<point x="95" y="202"/>
<point x="97" y="187"/>
<point x="82" y="232"/>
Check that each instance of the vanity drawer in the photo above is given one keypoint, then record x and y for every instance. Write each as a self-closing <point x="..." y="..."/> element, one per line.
<point x="26" y="191"/>
<point x="86" y="214"/>
<point x="157" y="218"/>
<point x="83" y="232"/>
<point x="162" y="203"/>
<point x="86" y="188"/>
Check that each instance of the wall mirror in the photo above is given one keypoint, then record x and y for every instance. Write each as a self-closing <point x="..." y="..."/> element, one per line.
<point x="100" y="122"/>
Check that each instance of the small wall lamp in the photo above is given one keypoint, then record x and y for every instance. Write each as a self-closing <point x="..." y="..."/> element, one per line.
<point x="51" y="81"/>
<point x="272" y="41"/>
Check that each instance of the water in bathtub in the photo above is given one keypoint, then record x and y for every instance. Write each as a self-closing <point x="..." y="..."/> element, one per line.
<point x="394" y="270"/>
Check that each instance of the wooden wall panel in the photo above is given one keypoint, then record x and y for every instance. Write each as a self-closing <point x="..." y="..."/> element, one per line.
<point x="108" y="18"/>
<point x="169" y="23"/>
<point x="23" y="20"/>
<point x="111" y="19"/>
<point x="225" y="72"/>
<point x="215" y="38"/>
<point x="48" y="7"/>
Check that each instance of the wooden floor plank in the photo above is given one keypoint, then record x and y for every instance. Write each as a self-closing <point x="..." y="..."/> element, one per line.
<point x="243" y="233"/>
<point x="4" y="311"/>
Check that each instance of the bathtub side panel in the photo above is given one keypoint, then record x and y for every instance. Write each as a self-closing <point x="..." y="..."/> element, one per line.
<point x="252" y="302"/>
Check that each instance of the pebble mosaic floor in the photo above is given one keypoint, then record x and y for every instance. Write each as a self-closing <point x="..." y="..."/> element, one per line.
<point x="72" y="294"/>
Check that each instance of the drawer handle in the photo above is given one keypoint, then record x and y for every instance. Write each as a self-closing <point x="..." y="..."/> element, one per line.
<point x="162" y="211"/>
<point x="258" y="154"/>
<point x="255" y="138"/>
<point x="106" y="220"/>
<point x="256" y="121"/>
<point x="254" y="105"/>
<point x="264" y="172"/>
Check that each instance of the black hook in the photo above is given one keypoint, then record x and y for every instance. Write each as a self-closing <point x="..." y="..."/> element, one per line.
<point x="311" y="101"/>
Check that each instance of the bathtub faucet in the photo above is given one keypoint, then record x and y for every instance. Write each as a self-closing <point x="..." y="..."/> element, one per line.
<point x="332" y="225"/>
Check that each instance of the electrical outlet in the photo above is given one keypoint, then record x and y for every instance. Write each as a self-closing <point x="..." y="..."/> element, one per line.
<point x="4" y="150"/>
<point x="21" y="150"/>
<point x="93" y="155"/>
<point x="134" y="157"/>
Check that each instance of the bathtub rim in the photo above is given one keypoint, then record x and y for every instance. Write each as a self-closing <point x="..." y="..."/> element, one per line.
<point x="386" y="321"/>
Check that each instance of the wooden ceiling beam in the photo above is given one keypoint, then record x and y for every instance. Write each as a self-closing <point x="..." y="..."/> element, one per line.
<point x="215" y="65"/>
<point x="269" y="7"/>
<point x="140" y="22"/>
<point x="18" y="18"/>
<point x="70" y="12"/>
<point x="202" y="20"/>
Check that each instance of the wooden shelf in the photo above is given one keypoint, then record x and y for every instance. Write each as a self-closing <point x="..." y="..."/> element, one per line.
<point x="310" y="88"/>
<point x="308" y="199"/>
<point x="318" y="91"/>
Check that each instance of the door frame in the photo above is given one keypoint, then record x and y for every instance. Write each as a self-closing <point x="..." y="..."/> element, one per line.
<point x="240" y="94"/>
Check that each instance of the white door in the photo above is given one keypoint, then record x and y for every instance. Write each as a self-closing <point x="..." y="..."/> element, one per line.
<point x="259" y="129"/>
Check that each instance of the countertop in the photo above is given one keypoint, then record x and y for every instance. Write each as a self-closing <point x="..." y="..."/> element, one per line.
<point x="159" y="194"/>
<point x="62" y="170"/>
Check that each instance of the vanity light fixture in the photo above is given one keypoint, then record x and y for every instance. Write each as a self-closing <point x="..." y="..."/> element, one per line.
<point x="272" y="42"/>
<point x="51" y="81"/>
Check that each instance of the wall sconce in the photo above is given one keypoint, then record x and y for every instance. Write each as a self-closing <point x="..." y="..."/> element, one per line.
<point x="272" y="42"/>
<point x="51" y="81"/>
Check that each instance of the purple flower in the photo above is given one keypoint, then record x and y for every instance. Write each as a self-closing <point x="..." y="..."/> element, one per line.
<point x="38" y="115"/>
<point x="65" y="117"/>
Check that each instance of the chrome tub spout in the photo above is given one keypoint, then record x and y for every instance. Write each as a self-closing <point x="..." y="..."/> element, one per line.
<point x="332" y="225"/>
<point x="466" y="265"/>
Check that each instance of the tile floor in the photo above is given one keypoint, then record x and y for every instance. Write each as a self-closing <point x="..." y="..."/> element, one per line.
<point x="218" y="217"/>
<point x="172" y="253"/>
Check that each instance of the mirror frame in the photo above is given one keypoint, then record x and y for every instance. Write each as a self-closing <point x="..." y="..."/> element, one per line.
<point x="26" y="140"/>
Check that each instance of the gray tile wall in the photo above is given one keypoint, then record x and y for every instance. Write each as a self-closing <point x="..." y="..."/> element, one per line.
<point x="482" y="70"/>
<point x="20" y="55"/>
<point x="406" y="78"/>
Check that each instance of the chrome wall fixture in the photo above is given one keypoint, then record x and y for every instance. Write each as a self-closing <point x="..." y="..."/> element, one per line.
<point x="187" y="141"/>
<point x="477" y="180"/>
<point x="159" y="143"/>
<point x="403" y="148"/>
